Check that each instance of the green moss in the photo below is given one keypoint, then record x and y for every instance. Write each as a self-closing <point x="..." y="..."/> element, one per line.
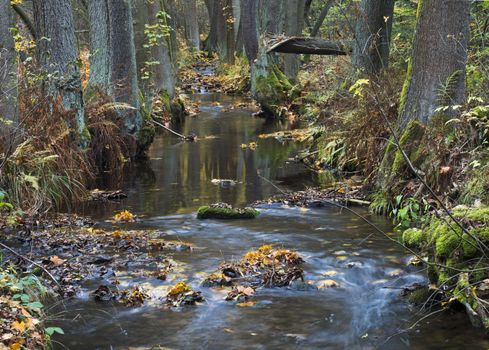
<point x="419" y="296"/>
<point x="473" y="214"/>
<point x="409" y="142"/>
<point x="407" y="82"/>
<point x="207" y="212"/>
<point x="413" y="237"/>
<point x="446" y="239"/>
<point x="273" y="89"/>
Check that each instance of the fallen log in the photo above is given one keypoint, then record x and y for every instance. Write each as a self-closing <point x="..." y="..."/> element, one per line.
<point x="311" y="46"/>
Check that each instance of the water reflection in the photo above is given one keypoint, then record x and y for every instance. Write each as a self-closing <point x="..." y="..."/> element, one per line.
<point x="177" y="177"/>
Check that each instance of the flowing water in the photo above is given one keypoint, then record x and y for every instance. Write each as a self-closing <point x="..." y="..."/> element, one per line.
<point x="366" y="310"/>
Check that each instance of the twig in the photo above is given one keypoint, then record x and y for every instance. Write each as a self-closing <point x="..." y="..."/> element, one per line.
<point x="30" y="261"/>
<point x="170" y="130"/>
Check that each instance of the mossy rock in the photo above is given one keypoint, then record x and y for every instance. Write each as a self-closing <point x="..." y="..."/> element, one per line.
<point x="413" y="238"/>
<point x="209" y="212"/>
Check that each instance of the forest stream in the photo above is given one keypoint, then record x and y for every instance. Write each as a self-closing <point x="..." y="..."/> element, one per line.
<point x="364" y="310"/>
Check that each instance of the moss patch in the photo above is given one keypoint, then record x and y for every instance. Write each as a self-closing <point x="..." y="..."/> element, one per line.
<point x="413" y="237"/>
<point x="208" y="212"/>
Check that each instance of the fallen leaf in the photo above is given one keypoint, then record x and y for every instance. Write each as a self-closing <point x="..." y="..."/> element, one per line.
<point x="327" y="284"/>
<point x="56" y="260"/>
<point x="19" y="326"/>
<point x="247" y="304"/>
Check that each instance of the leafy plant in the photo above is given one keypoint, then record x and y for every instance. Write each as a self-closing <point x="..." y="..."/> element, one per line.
<point x="408" y="211"/>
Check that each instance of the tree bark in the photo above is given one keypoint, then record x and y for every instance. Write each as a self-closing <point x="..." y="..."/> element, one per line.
<point x="163" y="75"/>
<point x="8" y="68"/>
<point x="294" y="23"/>
<point x="230" y="37"/>
<point x="100" y="58"/>
<point x="436" y="74"/>
<point x="372" y="35"/>
<point x="192" y="35"/>
<point x="123" y="81"/>
<point x="57" y="54"/>
<point x="170" y="8"/>
<point x="249" y="28"/>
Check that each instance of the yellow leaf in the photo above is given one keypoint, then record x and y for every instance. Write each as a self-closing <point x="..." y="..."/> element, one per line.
<point x="16" y="346"/>
<point x="19" y="326"/>
<point x="247" y="304"/>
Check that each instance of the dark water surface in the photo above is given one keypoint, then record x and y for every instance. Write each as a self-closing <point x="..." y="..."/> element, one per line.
<point x="361" y="314"/>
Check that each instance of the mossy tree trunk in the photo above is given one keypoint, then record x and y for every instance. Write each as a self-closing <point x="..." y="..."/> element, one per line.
<point x="269" y="86"/>
<point x="8" y="72"/>
<point x="436" y="74"/>
<point x="58" y="55"/>
<point x="372" y="35"/>
<point x="436" y="77"/>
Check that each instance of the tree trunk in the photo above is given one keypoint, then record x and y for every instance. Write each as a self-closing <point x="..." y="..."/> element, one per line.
<point x="98" y="12"/>
<point x="230" y="37"/>
<point x="163" y="75"/>
<point x="249" y="28"/>
<point x="372" y="35"/>
<point x="170" y="9"/>
<point x="191" y="24"/>
<point x="140" y="20"/>
<point x="271" y="15"/>
<point x="436" y="74"/>
<point x="57" y="54"/>
<point x="321" y="18"/>
<point x="216" y="40"/>
<point x="294" y="23"/>
<point x="8" y="67"/>
<point x="269" y="86"/>
<point x="123" y="81"/>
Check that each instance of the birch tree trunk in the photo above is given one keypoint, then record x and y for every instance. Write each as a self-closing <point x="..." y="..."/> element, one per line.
<point x="57" y="54"/>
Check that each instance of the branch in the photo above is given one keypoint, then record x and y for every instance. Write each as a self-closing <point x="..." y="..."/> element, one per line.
<point x="30" y="261"/>
<point x="26" y="19"/>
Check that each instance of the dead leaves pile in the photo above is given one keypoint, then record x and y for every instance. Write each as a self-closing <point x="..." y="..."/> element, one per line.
<point x="295" y="135"/>
<point x="264" y="267"/>
<point x="181" y="294"/>
<point x="136" y="296"/>
<point x="20" y="325"/>
<point x="86" y="253"/>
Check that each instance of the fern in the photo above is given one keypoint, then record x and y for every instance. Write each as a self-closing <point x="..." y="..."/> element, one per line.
<point x="447" y="89"/>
